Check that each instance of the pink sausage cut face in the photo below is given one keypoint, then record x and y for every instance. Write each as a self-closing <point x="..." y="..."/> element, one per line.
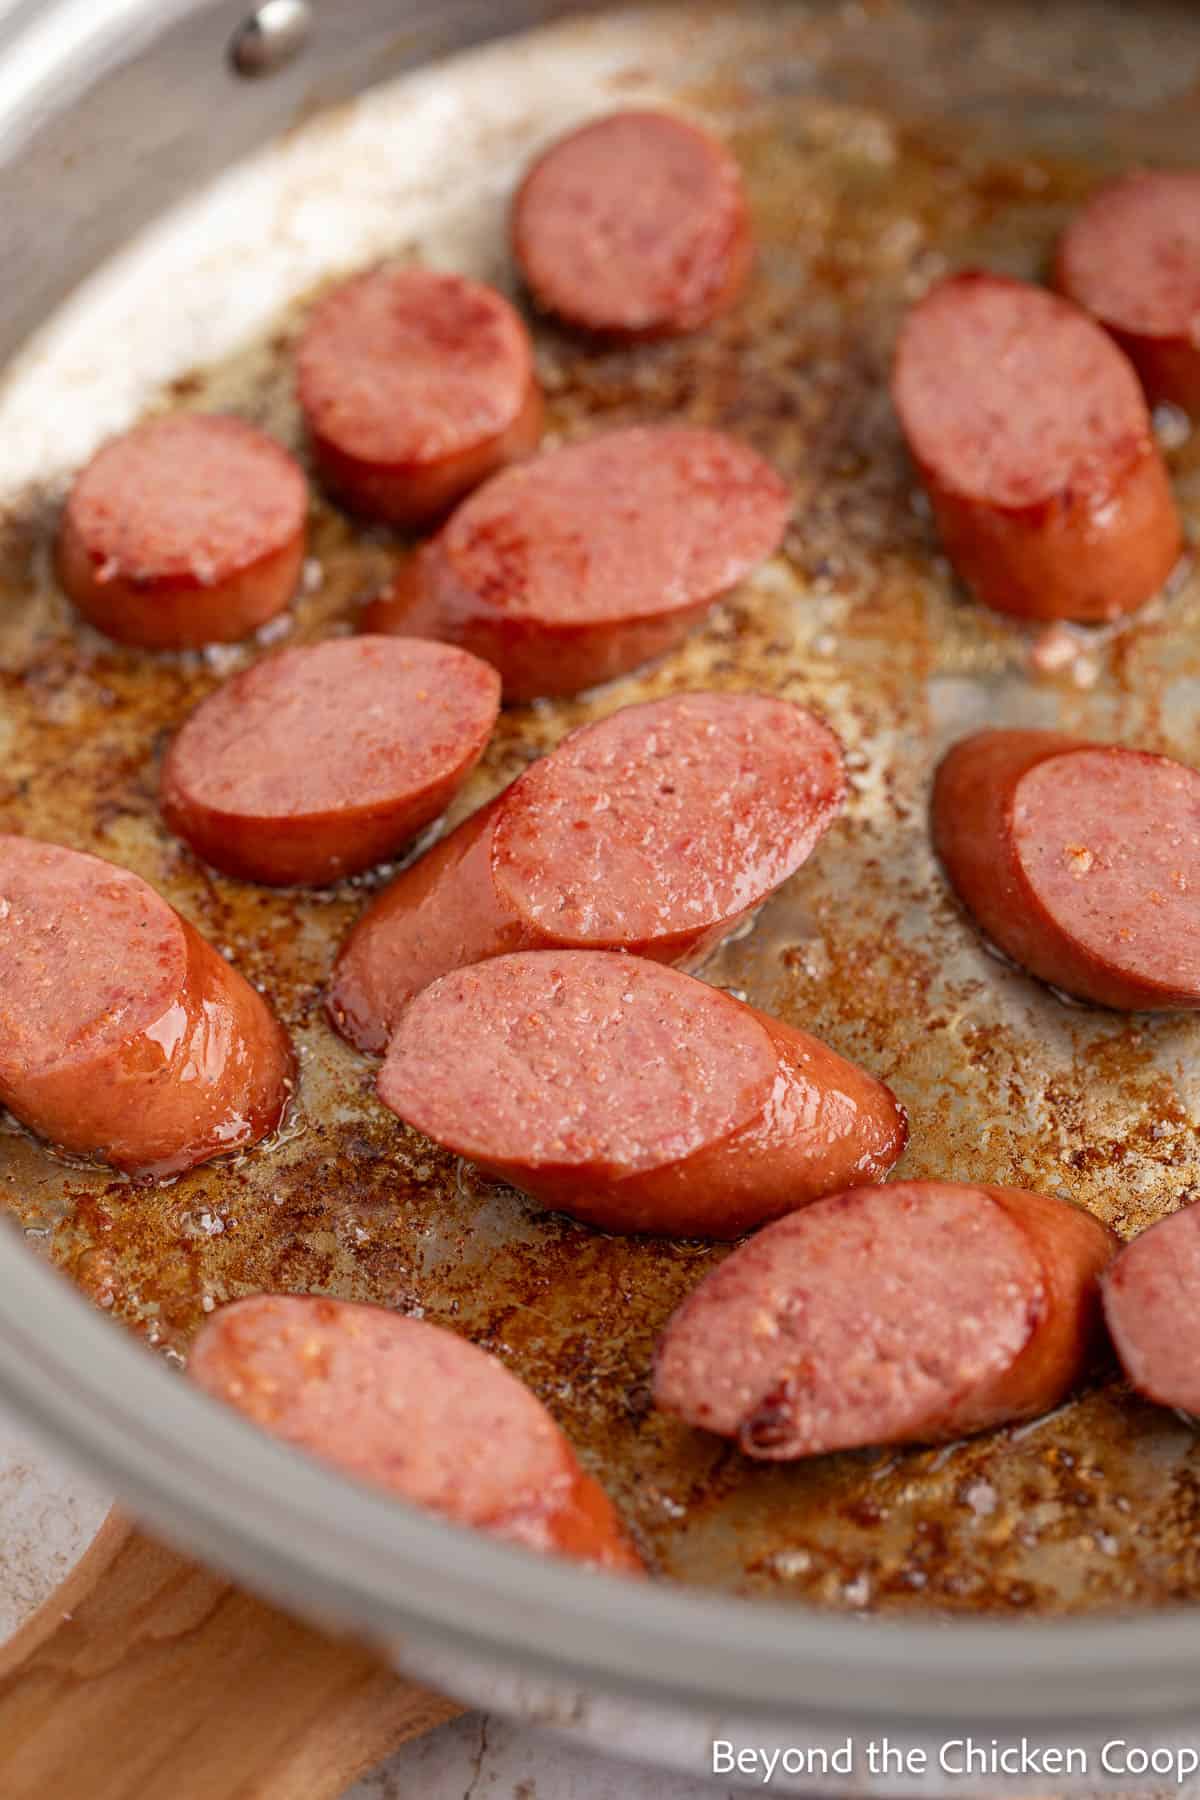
<point x="635" y="224"/>
<point x="414" y="1409"/>
<point x="188" y="529"/>
<point x="83" y="965"/>
<point x="1109" y="842"/>
<point x="622" y="525"/>
<point x="415" y="386"/>
<point x="654" y="830"/>
<point x="1032" y="436"/>
<point x="593" y="558"/>
<point x="405" y="366"/>
<point x="320" y="761"/>
<point x="632" y="1096"/>
<point x="322" y="1374"/>
<point x="123" y="1034"/>
<point x="809" y="1340"/>
<point x="1152" y="1306"/>
<point x="596" y="847"/>
<point x="1131" y="256"/>
<point x="578" y="1060"/>
<point x="1052" y="405"/>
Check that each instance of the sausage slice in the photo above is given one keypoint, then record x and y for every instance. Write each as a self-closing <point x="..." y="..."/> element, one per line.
<point x="1131" y="257"/>
<point x="414" y="1409"/>
<point x="188" y="530"/>
<point x="906" y="1314"/>
<point x="633" y="1096"/>
<point x="321" y="761"/>
<point x="123" y="1034"/>
<point x="1150" y="1303"/>
<point x="415" y="386"/>
<point x="590" y="560"/>
<point x="1081" y="861"/>
<point x="634" y="225"/>
<point x="1032" y="437"/>
<point x="654" y="830"/>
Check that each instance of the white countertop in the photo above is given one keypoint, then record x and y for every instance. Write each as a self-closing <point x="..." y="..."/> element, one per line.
<point x="481" y="1757"/>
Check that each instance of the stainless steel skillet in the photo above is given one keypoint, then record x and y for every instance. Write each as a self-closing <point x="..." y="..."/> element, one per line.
<point x="880" y="143"/>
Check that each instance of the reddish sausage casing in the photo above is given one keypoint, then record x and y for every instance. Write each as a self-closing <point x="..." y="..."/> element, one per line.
<point x="633" y="1096"/>
<point x="634" y="225"/>
<point x="123" y="1034"/>
<point x="653" y="830"/>
<point x="1152" y="1307"/>
<point x="415" y="386"/>
<point x="1034" y="443"/>
<point x="187" y="530"/>
<point x="318" y="762"/>
<point x="415" y="1409"/>
<point x="589" y="560"/>
<point x="1081" y="861"/>
<point x="1131" y="257"/>
<point x="913" y="1313"/>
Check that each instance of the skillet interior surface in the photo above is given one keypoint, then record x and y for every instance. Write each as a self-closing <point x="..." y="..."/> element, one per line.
<point x="882" y="144"/>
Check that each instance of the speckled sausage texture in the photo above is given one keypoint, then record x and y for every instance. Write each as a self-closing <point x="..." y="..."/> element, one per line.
<point x="1152" y="1306"/>
<point x="414" y="1409"/>
<point x="1033" y="440"/>
<point x="1131" y="257"/>
<point x="188" y="530"/>
<point x="655" y="830"/>
<point x="321" y="761"/>
<point x="590" y="560"/>
<point x="907" y="1314"/>
<point x="635" y="225"/>
<point x="123" y="1034"/>
<point x="633" y="1096"/>
<point x="1080" y="861"/>
<point x="415" y="386"/>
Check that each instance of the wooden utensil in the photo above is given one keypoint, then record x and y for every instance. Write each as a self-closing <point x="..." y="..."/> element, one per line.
<point x="145" y="1673"/>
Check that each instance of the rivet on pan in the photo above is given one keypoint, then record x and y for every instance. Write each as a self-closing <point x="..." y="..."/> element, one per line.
<point x="270" y="37"/>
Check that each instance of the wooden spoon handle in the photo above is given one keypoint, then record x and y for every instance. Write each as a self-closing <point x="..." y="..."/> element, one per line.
<point x="145" y="1674"/>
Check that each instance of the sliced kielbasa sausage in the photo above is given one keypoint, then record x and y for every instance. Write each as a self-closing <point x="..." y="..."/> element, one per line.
<point x="588" y="561"/>
<point x="321" y="761"/>
<point x="634" y="225"/>
<point x="1131" y="257"/>
<point x="1081" y="861"/>
<point x="633" y="1096"/>
<point x="1032" y="437"/>
<point x="654" y="830"/>
<point x="1152" y="1307"/>
<point x="188" y="530"/>
<point x="415" y="386"/>
<point x="123" y="1034"/>
<point x="412" y="1408"/>
<point x="906" y="1314"/>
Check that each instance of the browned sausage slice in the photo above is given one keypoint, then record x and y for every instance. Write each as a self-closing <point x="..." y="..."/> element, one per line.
<point x="321" y="761"/>
<point x="587" y="561"/>
<point x="654" y="830"/>
<point x="415" y="386"/>
<point x="889" y="1315"/>
<point x="123" y="1034"/>
<point x="633" y="1096"/>
<point x="1032" y="437"/>
<point x="188" y="530"/>
<point x="1150" y="1303"/>
<point x="1131" y="256"/>
<point x="414" y="1409"/>
<point x="634" y="225"/>
<point x="1081" y="861"/>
